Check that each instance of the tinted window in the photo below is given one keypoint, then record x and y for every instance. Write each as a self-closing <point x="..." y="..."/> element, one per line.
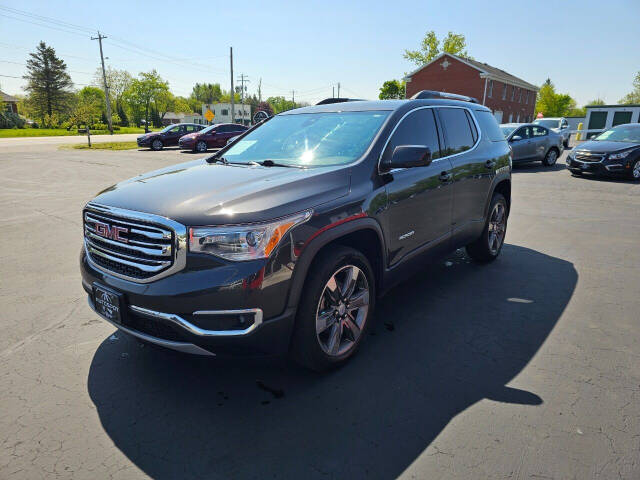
<point x="223" y="129"/>
<point x="417" y="128"/>
<point x="523" y="132"/>
<point x="472" y="125"/>
<point x="539" y="131"/>
<point x="457" y="130"/>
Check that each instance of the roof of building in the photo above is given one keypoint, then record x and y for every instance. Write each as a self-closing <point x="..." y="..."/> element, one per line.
<point x="485" y="69"/>
<point x="8" y="98"/>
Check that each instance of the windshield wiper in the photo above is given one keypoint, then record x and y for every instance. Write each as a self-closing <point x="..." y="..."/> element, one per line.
<point x="214" y="159"/>
<point x="270" y="163"/>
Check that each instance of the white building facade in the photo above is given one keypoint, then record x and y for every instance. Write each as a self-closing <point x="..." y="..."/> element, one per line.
<point x="222" y="112"/>
<point x="603" y="117"/>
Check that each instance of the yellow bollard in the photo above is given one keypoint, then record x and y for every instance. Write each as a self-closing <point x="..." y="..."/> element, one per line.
<point x="579" y="135"/>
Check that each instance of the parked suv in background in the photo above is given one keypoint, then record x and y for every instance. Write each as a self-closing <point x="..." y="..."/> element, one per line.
<point x="558" y="125"/>
<point x="533" y="143"/>
<point x="284" y="240"/>
<point x="214" y="136"/>
<point x="615" y="152"/>
<point x="168" y="136"/>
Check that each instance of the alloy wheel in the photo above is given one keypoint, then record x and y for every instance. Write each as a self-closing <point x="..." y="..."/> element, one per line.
<point x="157" y="145"/>
<point x="636" y="170"/>
<point x="201" y="146"/>
<point x="342" y="310"/>
<point x="552" y="156"/>
<point x="497" y="227"/>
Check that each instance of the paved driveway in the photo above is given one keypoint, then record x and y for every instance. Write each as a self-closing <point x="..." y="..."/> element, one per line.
<point x="526" y="368"/>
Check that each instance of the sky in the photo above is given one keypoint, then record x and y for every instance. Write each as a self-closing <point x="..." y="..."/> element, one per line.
<point x="588" y="48"/>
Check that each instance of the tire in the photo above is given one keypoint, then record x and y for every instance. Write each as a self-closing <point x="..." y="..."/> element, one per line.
<point x="635" y="171"/>
<point x="201" y="146"/>
<point x="157" y="144"/>
<point x="550" y="158"/>
<point x="314" y="343"/>
<point x="487" y="247"/>
<point x="566" y="143"/>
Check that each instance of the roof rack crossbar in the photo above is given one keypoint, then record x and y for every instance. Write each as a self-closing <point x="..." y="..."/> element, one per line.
<point x="424" y="94"/>
<point x="330" y="100"/>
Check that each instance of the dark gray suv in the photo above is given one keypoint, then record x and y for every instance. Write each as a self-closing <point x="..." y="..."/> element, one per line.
<point x="284" y="239"/>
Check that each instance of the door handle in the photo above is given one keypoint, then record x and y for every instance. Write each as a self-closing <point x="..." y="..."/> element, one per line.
<point x="445" y="176"/>
<point x="490" y="163"/>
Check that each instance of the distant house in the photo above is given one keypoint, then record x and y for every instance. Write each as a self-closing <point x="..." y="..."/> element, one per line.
<point x="172" y="117"/>
<point x="510" y="98"/>
<point x="10" y="103"/>
<point x="603" y="117"/>
<point x="222" y="112"/>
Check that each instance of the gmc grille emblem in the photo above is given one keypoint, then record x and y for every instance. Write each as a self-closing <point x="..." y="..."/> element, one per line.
<point x="111" y="231"/>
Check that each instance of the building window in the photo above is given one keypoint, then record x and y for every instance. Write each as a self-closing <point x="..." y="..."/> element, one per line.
<point x="490" y="89"/>
<point x="520" y="95"/>
<point x="513" y="93"/>
<point x="225" y="111"/>
<point x="518" y="118"/>
<point x="504" y="92"/>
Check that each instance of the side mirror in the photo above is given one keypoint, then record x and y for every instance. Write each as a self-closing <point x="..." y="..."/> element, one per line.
<point x="409" y="156"/>
<point x="516" y="138"/>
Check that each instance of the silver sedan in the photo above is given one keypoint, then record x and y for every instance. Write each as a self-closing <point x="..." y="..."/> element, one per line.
<point x="533" y="143"/>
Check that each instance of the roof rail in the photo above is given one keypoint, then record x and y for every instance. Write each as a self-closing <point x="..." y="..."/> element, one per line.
<point x="424" y="94"/>
<point x="330" y="100"/>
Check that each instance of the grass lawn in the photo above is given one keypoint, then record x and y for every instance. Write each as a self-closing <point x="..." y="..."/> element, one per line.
<point x="58" y="132"/>
<point x="102" y="146"/>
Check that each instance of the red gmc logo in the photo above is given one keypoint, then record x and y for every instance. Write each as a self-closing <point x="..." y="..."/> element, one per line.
<point x="111" y="231"/>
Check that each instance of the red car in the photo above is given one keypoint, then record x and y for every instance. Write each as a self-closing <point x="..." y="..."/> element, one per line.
<point x="214" y="136"/>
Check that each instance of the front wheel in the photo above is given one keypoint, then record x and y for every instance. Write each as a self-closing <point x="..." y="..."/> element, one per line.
<point x="635" y="171"/>
<point x="488" y="246"/>
<point x="156" y="144"/>
<point x="336" y="309"/>
<point x="201" y="146"/>
<point x="551" y="158"/>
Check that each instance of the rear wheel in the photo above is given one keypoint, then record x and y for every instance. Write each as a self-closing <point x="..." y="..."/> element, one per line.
<point x="488" y="246"/>
<point x="156" y="144"/>
<point x="550" y="158"/>
<point x="336" y="309"/>
<point x="201" y="146"/>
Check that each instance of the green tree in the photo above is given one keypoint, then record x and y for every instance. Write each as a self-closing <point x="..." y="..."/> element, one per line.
<point x="206" y="92"/>
<point x="181" y="105"/>
<point x="48" y="83"/>
<point x="118" y="82"/>
<point x="143" y="93"/>
<point x="552" y="104"/>
<point x="281" y="104"/>
<point x="634" y="95"/>
<point x="392" y="89"/>
<point x="431" y="47"/>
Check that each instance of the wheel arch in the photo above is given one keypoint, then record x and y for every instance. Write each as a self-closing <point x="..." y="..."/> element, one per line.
<point x="502" y="186"/>
<point x="362" y="234"/>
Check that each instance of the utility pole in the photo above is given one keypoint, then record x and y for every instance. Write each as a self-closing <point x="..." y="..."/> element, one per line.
<point x="333" y="92"/>
<point x="233" y="93"/>
<point x="293" y="97"/>
<point x="338" y="89"/>
<point x="243" y="80"/>
<point x="260" y="91"/>
<point x="104" y="79"/>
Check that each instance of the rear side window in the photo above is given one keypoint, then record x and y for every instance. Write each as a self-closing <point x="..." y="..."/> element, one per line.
<point x="457" y="130"/>
<point x="489" y="125"/>
<point x="417" y="128"/>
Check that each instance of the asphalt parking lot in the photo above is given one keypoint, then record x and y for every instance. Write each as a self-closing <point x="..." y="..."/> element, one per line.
<point x="526" y="368"/>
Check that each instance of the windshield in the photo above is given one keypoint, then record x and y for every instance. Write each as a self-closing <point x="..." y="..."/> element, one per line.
<point x="309" y="139"/>
<point x="548" y="123"/>
<point x="169" y="127"/>
<point x="620" y="134"/>
<point x="507" y="130"/>
<point x="208" y="129"/>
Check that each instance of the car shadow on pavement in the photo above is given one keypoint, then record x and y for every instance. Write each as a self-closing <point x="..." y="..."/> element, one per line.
<point x="445" y="339"/>
<point x="536" y="167"/>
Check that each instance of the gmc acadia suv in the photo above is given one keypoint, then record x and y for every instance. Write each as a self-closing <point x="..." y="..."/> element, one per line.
<point x="283" y="240"/>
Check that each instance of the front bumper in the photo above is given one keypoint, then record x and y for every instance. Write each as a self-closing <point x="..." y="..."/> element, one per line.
<point x="197" y="311"/>
<point x="143" y="142"/>
<point x="603" y="167"/>
<point x="187" y="144"/>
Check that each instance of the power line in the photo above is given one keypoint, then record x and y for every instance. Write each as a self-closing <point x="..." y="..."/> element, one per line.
<point x="42" y="18"/>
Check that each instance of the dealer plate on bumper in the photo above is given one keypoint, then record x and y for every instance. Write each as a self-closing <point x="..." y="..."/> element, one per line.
<point x="108" y="303"/>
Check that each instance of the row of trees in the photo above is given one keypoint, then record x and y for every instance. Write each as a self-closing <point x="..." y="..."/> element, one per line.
<point x="52" y="101"/>
<point x="549" y="102"/>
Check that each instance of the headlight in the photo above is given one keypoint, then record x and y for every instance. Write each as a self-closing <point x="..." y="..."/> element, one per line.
<point x="619" y="156"/>
<point x="243" y="242"/>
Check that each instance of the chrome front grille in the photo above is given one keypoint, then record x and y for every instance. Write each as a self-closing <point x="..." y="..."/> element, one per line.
<point x="133" y="245"/>
<point x="587" y="157"/>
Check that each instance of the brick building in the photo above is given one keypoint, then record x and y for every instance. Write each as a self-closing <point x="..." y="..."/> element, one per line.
<point x="510" y="98"/>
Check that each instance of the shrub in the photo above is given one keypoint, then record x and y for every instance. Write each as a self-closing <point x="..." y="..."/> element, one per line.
<point x="11" y="120"/>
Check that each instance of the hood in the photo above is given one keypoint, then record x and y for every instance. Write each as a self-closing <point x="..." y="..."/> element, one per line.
<point x="199" y="193"/>
<point x="190" y="135"/>
<point x="148" y="135"/>
<point x="604" y="146"/>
